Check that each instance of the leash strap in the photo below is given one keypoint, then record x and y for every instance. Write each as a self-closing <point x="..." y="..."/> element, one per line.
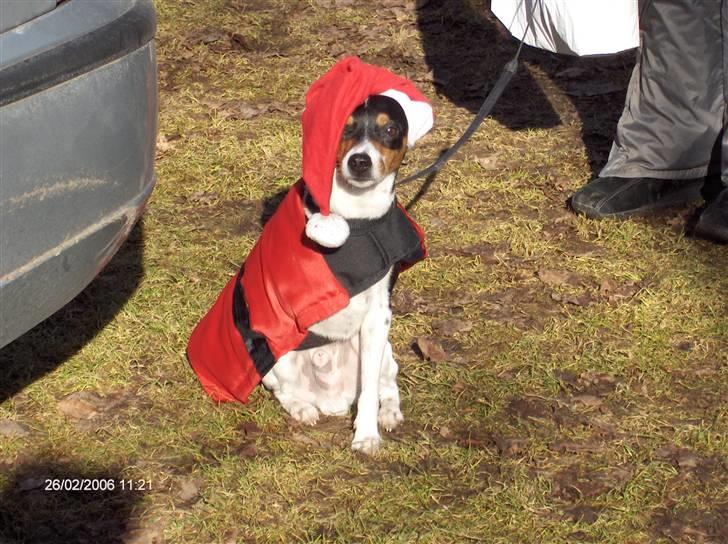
<point x="495" y="93"/>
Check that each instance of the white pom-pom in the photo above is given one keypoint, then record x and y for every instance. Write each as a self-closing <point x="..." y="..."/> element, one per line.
<point x="328" y="230"/>
<point x="419" y="115"/>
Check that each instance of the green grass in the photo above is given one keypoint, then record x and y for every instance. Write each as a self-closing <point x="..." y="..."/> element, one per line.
<point x="603" y="421"/>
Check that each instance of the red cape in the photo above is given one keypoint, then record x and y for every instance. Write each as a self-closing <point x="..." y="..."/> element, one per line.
<point x="287" y="287"/>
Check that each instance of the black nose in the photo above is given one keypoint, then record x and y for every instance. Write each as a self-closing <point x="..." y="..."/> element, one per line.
<point x="359" y="163"/>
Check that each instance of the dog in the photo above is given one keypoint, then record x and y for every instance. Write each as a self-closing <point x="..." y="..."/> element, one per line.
<point x="308" y="313"/>
<point x="358" y="364"/>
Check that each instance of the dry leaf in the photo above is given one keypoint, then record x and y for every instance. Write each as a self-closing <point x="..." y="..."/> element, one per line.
<point x="238" y="109"/>
<point x="189" y="489"/>
<point x="588" y="400"/>
<point x="251" y="430"/>
<point x="448" y="327"/>
<point x="247" y="450"/>
<point x="231" y="536"/>
<point x="487" y="163"/>
<point x="569" y="446"/>
<point x="163" y="144"/>
<point x="206" y="36"/>
<point x="615" y="293"/>
<point x="581" y="300"/>
<point x="12" y="429"/>
<point x="203" y="197"/>
<point x="302" y="438"/>
<point x="81" y="405"/>
<point x="553" y="277"/>
<point x="431" y="350"/>
<point x="145" y="535"/>
<point x="686" y="459"/>
<point x="510" y="447"/>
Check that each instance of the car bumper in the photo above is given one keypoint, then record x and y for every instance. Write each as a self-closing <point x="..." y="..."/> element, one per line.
<point x="77" y="149"/>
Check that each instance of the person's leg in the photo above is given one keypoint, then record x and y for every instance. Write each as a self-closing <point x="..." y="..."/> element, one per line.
<point x="672" y="116"/>
<point x="713" y="222"/>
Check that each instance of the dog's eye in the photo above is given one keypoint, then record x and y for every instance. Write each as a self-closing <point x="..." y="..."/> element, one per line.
<point x="392" y="131"/>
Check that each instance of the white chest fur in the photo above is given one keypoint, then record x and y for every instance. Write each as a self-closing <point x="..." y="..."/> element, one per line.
<point x="349" y="202"/>
<point x="347" y="323"/>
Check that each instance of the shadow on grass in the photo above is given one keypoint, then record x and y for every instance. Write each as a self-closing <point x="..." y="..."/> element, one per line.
<point x="49" y="344"/>
<point x="466" y="48"/>
<point x="30" y="513"/>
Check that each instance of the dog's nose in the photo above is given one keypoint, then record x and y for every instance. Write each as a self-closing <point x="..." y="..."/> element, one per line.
<point x="359" y="163"/>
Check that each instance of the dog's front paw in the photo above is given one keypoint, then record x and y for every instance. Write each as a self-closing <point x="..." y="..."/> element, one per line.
<point x="338" y="406"/>
<point x="390" y="416"/>
<point x="304" y="412"/>
<point x="368" y="445"/>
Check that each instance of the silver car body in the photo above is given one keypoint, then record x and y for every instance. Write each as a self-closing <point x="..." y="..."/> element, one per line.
<point x="78" y="122"/>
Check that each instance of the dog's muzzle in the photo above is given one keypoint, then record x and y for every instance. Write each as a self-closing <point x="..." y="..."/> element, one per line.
<point x="360" y="165"/>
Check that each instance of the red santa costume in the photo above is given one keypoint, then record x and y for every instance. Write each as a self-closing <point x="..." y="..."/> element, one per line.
<point x="289" y="281"/>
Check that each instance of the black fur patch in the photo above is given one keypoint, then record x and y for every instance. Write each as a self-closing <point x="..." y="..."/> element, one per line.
<point x="391" y="134"/>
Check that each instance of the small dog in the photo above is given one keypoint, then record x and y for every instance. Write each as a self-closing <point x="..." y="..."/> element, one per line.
<point x="308" y="312"/>
<point x="358" y="363"/>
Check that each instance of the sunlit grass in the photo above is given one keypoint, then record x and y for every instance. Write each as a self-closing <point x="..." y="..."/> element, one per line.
<point x="446" y="476"/>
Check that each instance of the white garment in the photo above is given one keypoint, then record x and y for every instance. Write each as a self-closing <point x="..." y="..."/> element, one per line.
<point x="573" y="27"/>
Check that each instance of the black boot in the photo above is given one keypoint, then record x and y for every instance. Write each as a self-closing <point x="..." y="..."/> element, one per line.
<point x="623" y="197"/>
<point x="713" y="222"/>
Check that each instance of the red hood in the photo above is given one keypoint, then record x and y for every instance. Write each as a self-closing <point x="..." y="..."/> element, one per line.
<point x="329" y="102"/>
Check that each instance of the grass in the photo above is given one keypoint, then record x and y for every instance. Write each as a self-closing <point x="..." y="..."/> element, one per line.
<point x="587" y="409"/>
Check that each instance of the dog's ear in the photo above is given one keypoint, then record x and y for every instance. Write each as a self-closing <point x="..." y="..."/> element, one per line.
<point x="419" y="115"/>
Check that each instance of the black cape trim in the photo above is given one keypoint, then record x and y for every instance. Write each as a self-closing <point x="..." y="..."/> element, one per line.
<point x="255" y="343"/>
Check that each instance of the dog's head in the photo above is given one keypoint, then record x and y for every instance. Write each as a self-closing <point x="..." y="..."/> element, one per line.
<point x="373" y="143"/>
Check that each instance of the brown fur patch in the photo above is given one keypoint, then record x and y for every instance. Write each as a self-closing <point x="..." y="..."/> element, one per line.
<point x="344" y="146"/>
<point x="350" y="121"/>
<point x="391" y="158"/>
<point x="382" y="119"/>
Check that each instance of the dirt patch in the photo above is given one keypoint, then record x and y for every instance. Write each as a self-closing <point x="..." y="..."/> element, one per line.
<point x="328" y="433"/>
<point x="488" y="253"/>
<point x="446" y="303"/>
<point x="523" y="307"/>
<point x="530" y="409"/>
<point x="235" y="217"/>
<point x="680" y="524"/>
<point x="591" y="382"/>
<point x="582" y="513"/>
<point x="578" y="482"/>
<point x="708" y="471"/>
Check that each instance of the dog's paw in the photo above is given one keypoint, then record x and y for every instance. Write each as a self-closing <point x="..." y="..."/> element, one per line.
<point x="368" y="445"/>
<point x="304" y="412"/>
<point x="334" y="407"/>
<point x="390" y="416"/>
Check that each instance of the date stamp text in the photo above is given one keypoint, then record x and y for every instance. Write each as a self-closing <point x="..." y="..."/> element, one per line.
<point x="96" y="484"/>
